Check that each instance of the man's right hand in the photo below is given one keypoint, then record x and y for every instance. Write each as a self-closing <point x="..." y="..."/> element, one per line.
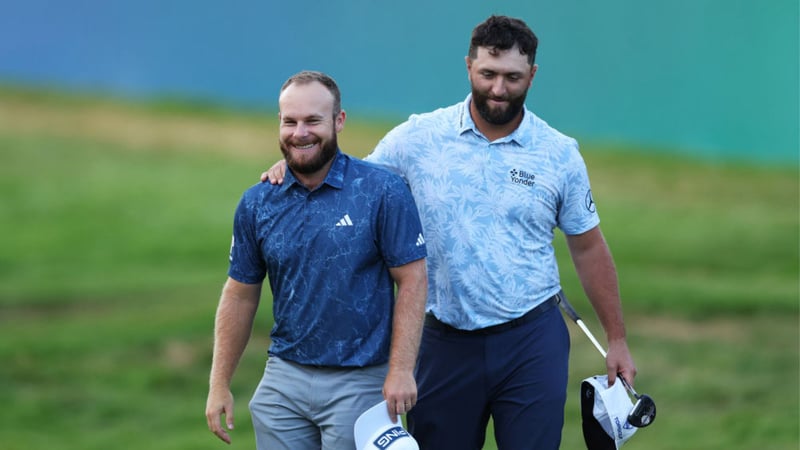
<point x="275" y="173"/>
<point x="220" y="402"/>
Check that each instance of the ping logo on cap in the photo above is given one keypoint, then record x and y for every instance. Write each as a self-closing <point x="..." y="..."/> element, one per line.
<point x="389" y="437"/>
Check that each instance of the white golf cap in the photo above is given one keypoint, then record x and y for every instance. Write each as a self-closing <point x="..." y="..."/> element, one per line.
<point x="374" y="430"/>
<point x="609" y="408"/>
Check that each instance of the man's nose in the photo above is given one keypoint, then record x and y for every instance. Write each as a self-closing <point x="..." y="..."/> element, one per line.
<point x="498" y="87"/>
<point x="301" y="129"/>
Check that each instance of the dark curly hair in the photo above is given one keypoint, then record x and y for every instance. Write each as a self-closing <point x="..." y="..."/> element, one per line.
<point x="498" y="33"/>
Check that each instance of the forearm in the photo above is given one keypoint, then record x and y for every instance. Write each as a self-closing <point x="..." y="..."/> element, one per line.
<point x="597" y="273"/>
<point x="406" y="333"/>
<point x="409" y="315"/>
<point x="232" y="328"/>
<point x="598" y="276"/>
<point x="400" y="388"/>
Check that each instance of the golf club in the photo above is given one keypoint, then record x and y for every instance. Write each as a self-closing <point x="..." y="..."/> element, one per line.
<point x="644" y="410"/>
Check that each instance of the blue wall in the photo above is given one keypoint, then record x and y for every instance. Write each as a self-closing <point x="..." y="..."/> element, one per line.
<point x="716" y="77"/>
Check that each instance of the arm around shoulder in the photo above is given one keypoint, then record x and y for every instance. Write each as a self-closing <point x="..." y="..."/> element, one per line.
<point x="275" y="174"/>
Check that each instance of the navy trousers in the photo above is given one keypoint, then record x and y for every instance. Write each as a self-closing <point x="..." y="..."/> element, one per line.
<point x="518" y="376"/>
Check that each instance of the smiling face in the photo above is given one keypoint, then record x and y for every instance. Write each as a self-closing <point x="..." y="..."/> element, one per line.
<point x="308" y="129"/>
<point x="500" y="80"/>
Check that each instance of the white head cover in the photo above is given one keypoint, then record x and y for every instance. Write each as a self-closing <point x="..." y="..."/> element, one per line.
<point x="375" y="431"/>
<point x="611" y="408"/>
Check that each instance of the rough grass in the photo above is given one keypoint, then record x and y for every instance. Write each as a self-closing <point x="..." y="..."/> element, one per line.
<point x="116" y="221"/>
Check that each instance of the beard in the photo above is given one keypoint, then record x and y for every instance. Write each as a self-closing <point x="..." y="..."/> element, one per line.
<point x="316" y="162"/>
<point x="498" y="115"/>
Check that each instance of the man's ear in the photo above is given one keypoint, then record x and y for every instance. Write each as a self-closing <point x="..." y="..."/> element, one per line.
<point x="340" y="118"/>
<point x="533" y="73"/>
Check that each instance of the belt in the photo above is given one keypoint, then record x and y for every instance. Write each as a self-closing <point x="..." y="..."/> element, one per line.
<point x="432" y="322"/>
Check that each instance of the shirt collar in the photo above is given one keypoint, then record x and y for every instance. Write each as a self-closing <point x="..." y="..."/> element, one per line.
<point x="522" y="136"/>
<point x="334" y="178"/>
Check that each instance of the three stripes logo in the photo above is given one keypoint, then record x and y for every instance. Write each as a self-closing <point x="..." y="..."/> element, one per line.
<point x="345" y="221"/>
<point x="420" y="240"/>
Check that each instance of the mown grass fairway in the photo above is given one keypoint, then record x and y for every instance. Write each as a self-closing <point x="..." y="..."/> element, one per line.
<point x="116" y="226"/>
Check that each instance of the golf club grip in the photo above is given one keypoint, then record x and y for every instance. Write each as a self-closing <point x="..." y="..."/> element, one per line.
<point x="568" y="309"/>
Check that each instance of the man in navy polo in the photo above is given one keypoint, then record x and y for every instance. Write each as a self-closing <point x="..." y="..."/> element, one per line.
<point x="334" y="240"/>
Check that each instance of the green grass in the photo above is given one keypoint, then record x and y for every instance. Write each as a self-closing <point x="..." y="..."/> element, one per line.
<point x="114" y="249"/>
<point x="92" y="219"/>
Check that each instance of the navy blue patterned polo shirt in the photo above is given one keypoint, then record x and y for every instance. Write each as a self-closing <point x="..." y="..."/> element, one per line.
<point x="327" y="253"/>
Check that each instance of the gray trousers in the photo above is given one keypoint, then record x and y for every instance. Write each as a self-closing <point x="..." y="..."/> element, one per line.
<point x="297" y="407"/>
